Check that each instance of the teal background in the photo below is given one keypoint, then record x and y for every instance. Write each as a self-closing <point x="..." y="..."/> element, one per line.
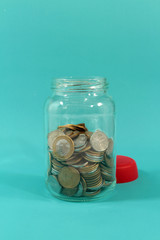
<point x="44" y="39"/>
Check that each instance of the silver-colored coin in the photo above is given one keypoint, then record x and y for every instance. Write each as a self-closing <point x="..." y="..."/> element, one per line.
<point x="109" y="161"/>
<point x="80" y="148"/>
<point x="52" y="180"/>
<point x="109" y="150"/>
<point x="80" y="141"/>
<point x="54" y="172"/>
<point x="94" y="157"/>
<point x="80" y="164"/>
<point x="99" y="141"/>
<point x="52" y="136"/>
<point x="63" y="147"/>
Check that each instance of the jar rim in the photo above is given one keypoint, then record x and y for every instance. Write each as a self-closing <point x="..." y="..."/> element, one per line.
<point x="79" y="83"/>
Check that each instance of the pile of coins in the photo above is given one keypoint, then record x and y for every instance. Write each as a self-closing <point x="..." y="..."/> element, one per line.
<point x="80" y="162"/>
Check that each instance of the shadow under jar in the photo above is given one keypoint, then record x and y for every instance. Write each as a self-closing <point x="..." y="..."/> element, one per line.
<point x="80" y="130"/>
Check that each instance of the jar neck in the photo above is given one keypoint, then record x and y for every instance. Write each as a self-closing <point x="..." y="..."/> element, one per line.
<point x="70" y="85"/>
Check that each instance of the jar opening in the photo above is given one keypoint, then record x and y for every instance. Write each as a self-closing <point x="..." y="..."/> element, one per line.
<point x="68" y="84"/>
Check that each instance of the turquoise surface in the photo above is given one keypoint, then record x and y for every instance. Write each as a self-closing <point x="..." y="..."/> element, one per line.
<point x="44" y="39"/>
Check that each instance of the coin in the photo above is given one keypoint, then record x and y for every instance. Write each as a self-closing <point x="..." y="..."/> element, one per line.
<point x="69" y="126"/>
<point x="50" y="162"/>
<point x="80" y="164"/>
<point x="109" y="161"/>
<point x="107" y="176"/>
<point x="106" y="183"/>
<point x="69" y="191"/>
<point x="81" y="161"/>
<point x="106" y="169"/>
<point x="69" y="177"/>
<point x="80" y="141"/>
<point x="79" y="192"/>
<point x="96" y="160"/>
<point x="54" y="171"/>
<point x="84" y="184"/>
<point x="57" y="163"/>
<point x="62" y="129"/>
<point x="69" y="133"/>
<point x="95" y="153"/>
<point x="92" y="176"/>
<point x="91" y="194"/>
<point x="52" y="180"/>
<point x="75" y="134"/>
<point x="96" y="186"/>
<point x="89" y="168"/>
<point x="85" y="148"/>
<point x="74" y="127"/>
<point x="81" y="124"/>
<point x="88" y="134"/>
<point x="63" y="147"/>
<point x="53" y="135"/>
<point x="73" y="161"/>
<point x="99" y="141"/>
<point x="109" y="150"/>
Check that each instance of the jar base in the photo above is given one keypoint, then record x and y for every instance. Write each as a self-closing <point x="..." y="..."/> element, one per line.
<point x="104" y="194"/>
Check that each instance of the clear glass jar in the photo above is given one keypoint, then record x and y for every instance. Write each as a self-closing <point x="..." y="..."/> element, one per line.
<point x="80" y="128"/>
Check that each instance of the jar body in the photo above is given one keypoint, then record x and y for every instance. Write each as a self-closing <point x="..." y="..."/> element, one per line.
<point x="80" y="129"/>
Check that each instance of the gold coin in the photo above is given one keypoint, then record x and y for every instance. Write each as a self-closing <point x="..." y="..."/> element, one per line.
<point x="57" y="168"/>
<point x="94" y="153"/>
<point x="74" y="161"/>
<point x="72" y="127"/>
<point x="69" y="133"/>
<point x="96" y="182"/>
<point x="106" y="184"/>
<point x="107" y="176"/>
<point x="69" y="191"/>
<point x="92" y="179"/>
<point x="81" y="124"/>
<point x="89" y="168"/>
<point x="84" y="184"/>
<point x="62" y="129"/>
<point x="106" y="169"/>
<point x="92" y="173"/>
<point x="75" y="134"/>
<point x="78" y="128"/>
<point x="57" y="163"/>
<point x="63" y="147"/>
<point x="69" y="177"/>
<point x="88" y="134"/>
<point x="91" y="194"/>
<point x="75" y="155"/>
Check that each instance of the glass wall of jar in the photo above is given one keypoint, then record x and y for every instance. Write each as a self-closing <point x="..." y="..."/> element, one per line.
<point x="80" y="127"/>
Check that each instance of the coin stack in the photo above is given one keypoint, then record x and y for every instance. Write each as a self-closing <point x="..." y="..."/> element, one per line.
<point x="80" y="162"/>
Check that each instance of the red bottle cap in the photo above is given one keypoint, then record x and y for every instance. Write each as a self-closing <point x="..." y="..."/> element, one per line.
<point x="126" y="169"/>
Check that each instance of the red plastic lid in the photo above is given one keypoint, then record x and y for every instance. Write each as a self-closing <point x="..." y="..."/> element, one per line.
<point x="126" y="169"/>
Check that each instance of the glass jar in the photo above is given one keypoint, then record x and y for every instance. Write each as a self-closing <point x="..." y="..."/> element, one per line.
<point x="80" y="128"/>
